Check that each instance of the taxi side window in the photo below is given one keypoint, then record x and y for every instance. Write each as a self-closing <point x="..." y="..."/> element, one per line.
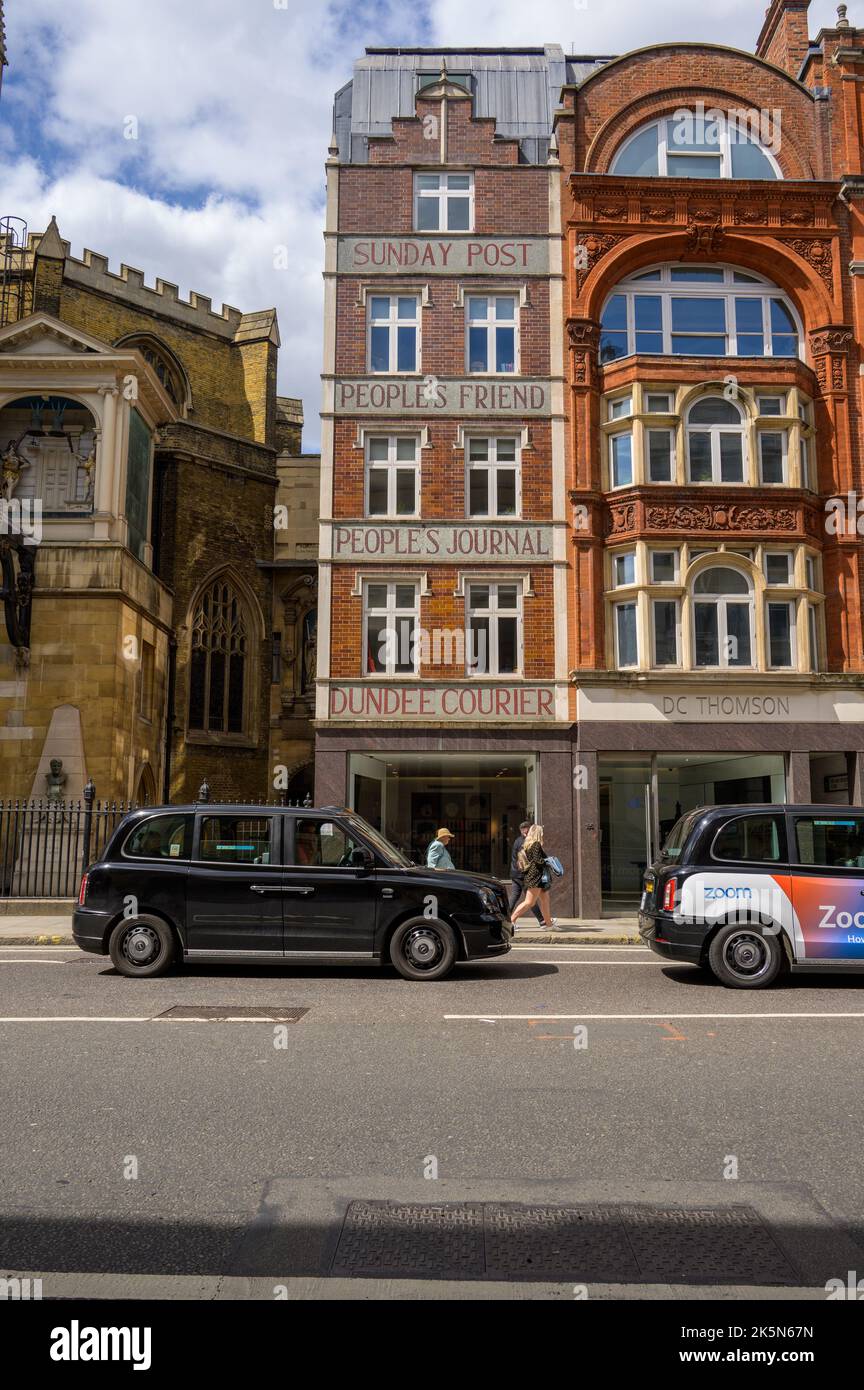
<point x="830" y="841"/>
<point x="757" y="839"/>
<point x="321" y="844"/>
<point x="235" y="839"/>
<point x="161" y="837"/>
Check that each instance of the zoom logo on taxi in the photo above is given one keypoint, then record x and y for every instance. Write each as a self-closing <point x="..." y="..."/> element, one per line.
<point x="822" y="915"/>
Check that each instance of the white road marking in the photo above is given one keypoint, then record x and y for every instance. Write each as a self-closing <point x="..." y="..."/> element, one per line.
<point x="28" y="960"/>
<point x="74" y="950"/>
<point x="609" y="963"/>
<point x="553" y="946"/>
<point x="127" y="1018"/>
<point x="670" y="1013"/>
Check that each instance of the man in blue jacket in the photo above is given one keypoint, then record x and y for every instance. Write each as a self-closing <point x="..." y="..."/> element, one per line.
<point x="438" y="853"/>
<point x="516" y="873"/>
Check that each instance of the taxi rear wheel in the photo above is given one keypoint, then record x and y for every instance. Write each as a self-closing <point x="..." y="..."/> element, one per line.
<point x="744" y="956"/>
<point x="141" y="946"/>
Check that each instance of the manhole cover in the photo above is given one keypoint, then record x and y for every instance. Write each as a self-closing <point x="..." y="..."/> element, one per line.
<point x="712" y="1245"/>
<point x="588" y="1244"/>
<point x="224" y="1012"/>
<point x="388" y="1238"/>
<point x="525" y="1242"/>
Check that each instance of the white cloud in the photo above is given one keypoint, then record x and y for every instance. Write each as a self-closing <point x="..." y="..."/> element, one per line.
<point x="234" y="105"/>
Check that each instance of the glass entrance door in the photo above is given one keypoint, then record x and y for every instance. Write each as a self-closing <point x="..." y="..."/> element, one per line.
<point x="626" y="828"/>
<point x="643" y="795"/>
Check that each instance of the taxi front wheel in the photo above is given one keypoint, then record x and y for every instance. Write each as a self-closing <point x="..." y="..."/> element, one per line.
<point x="746" y="957"/>
<point x="423" y="949"/>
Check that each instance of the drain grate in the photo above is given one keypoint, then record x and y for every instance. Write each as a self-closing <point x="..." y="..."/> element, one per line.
<point x="588" y="1244"/>
<point x="222" y="1012"/>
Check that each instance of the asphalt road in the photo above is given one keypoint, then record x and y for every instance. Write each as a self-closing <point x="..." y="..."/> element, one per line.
<point x="251" y="1139"/>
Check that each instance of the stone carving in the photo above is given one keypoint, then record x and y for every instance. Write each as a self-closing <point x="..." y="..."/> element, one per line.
<point x="711" y="516"/>
<point x="622" y="517"/>
<point x="658" y="212"/>
<point x="55" y="781"/>
<point x="87" y="466"/>
<point x="583" y="333"/>
<point x="613" y="212"/>
<point x="817" y="254"/>
<point x="830" y="339"/>
<point x="17" y="562"/>
<point x="750" y="215"/>
<point x="802" y="217"/>
<point x="13" y="467"/>
<point x="703" y="239"/>
<point x="596" y="247"/>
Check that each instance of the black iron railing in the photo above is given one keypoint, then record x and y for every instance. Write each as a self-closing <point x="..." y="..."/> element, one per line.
<point x="45" y="845"/>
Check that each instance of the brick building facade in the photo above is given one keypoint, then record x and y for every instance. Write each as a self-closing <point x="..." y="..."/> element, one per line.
<point x="677" y="532"/>
<point x="714" y="336"/>
<point x="443" y="677"/>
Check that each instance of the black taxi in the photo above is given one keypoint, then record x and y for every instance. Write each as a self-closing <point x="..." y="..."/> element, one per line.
<point x="231" y="883"/>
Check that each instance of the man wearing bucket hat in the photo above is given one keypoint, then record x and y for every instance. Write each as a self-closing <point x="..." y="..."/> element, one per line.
<point x="438" y="853"/>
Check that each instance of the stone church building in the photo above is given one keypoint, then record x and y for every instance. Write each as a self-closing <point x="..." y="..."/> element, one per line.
<point x="139" y="437"/>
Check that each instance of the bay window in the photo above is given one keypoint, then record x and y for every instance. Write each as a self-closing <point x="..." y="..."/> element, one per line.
<point x="781" y="634"/>
<point x="621" y="459"/>
<point x="772" y="456"/>
<point x="626" y="644"/>
<point x="722" y="618"/>
<point x="664" y="613"/>
<point x="715" y="442"/>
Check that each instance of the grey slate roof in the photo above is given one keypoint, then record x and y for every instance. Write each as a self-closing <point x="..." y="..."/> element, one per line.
<point x="519" y="87"/>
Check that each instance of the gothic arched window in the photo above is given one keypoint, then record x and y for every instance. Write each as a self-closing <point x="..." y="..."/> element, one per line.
<point x="219" y="658"/>
<point x="166" y="366"/>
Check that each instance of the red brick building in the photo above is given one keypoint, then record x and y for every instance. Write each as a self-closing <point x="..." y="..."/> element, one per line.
<point x="714" y="324"/>
<point x="443" y="691"/>
<point x="668" y="590"/>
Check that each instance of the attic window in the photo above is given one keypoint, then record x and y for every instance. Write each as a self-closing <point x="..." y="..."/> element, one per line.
<point x="431" y="79"/>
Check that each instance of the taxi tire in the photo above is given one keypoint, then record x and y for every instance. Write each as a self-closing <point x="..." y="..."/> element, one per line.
<point x="770" y="945"/>
<point x="425" y="932"/>
<point x="151" y="929"/>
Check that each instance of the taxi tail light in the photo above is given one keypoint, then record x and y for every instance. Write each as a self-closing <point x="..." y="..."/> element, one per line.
<point x="82" y="891"/>
<point x="669" y="895"/>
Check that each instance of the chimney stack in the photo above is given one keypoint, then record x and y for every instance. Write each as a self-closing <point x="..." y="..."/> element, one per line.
<point x="783" y="39"/>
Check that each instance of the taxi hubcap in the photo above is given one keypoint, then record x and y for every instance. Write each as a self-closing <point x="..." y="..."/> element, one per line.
<point x="141" y="945"/>
<point x="423" y="947"/>
<point x="746" y="954"/>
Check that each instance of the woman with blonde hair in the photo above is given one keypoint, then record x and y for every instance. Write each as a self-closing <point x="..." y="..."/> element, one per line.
<point x="537" y="877"/>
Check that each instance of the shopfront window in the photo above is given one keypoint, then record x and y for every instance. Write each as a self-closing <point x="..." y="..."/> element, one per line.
<point x="481" y="798"/>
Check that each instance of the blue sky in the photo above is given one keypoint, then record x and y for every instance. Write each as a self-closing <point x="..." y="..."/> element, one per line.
<point x="189" y="139"/>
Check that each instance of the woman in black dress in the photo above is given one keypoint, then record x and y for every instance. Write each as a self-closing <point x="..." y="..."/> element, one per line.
<point x="535" y="872"/>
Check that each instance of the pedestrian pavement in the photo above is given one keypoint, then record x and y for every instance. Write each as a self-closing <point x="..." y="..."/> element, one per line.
<point x="32" y="929"/>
